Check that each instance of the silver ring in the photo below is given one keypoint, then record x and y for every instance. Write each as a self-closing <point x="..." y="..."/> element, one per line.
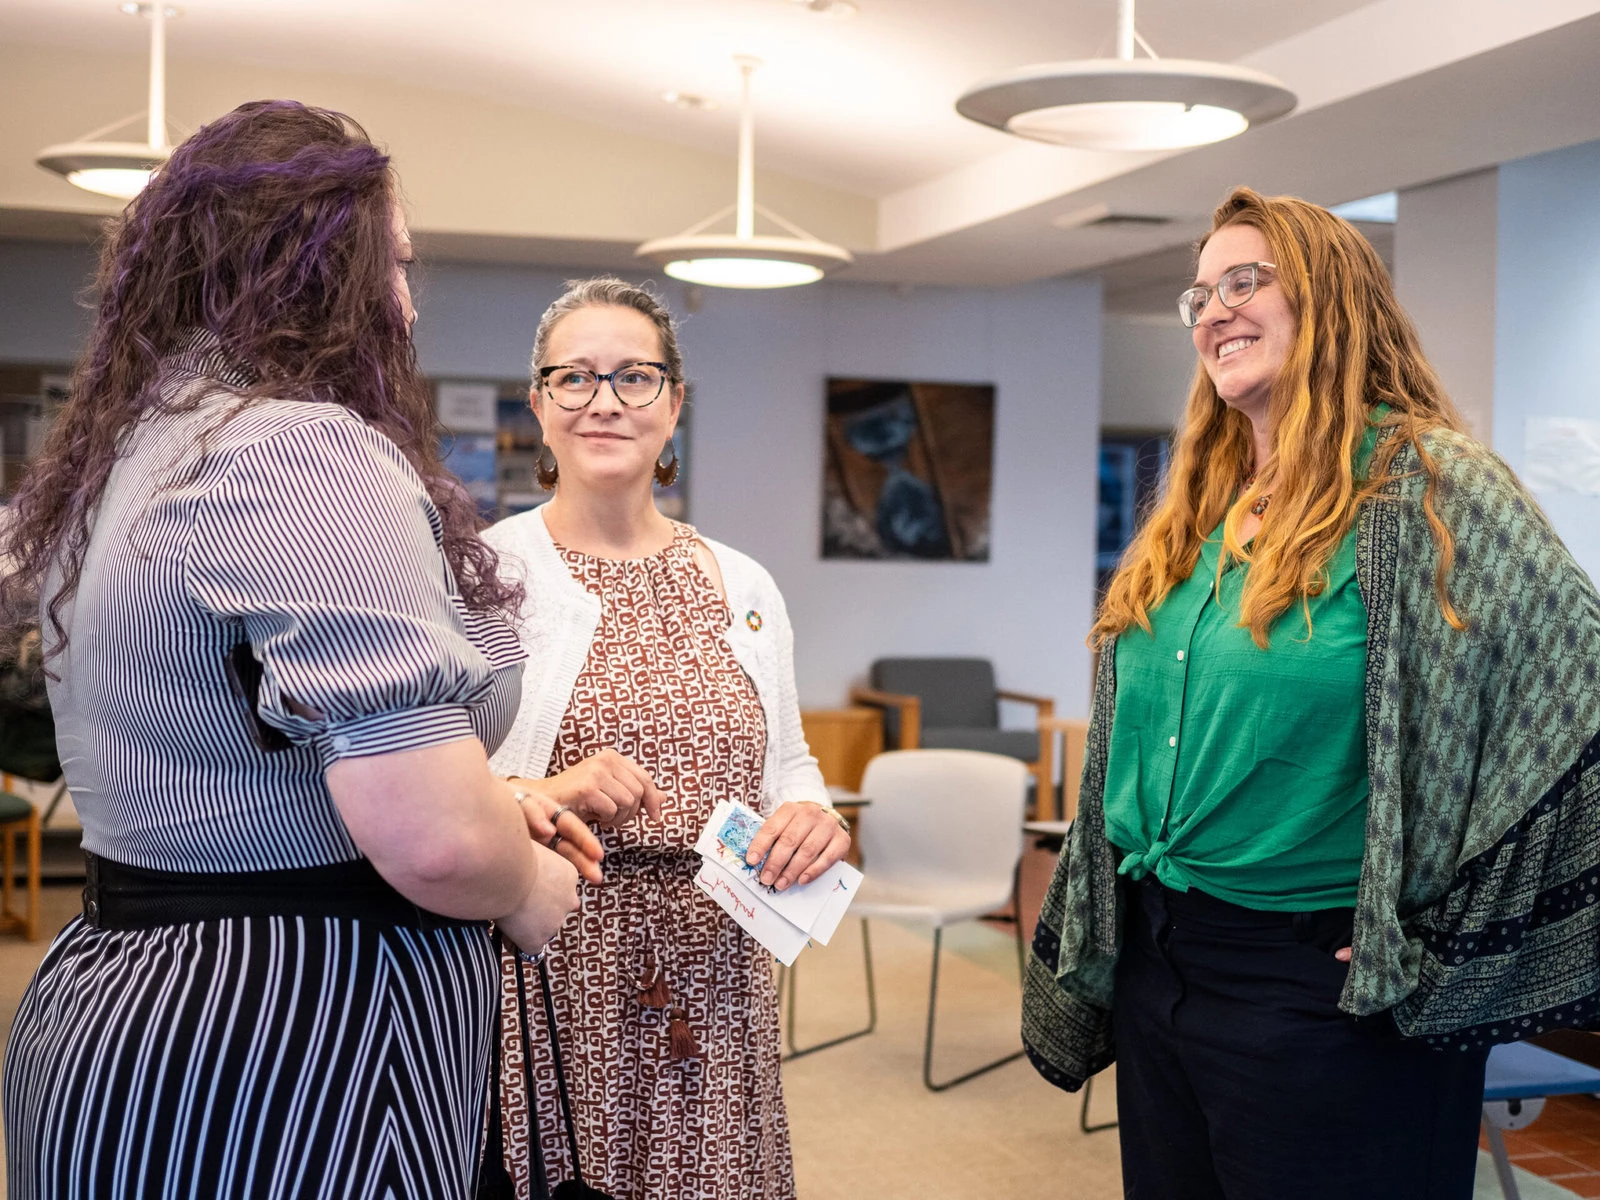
<point x="555" y="823"/>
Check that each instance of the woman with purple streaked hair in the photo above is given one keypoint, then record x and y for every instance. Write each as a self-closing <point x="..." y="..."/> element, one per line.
<point x="277" y="652"/>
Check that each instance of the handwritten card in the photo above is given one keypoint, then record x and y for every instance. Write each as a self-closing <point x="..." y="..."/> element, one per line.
<point x="750" y="912"/>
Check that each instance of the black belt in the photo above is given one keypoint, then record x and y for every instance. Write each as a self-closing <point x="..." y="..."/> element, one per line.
<point x="118" y="896"/>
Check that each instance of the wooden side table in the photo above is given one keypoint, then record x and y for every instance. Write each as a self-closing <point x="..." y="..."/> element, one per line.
<point x="843" y="741"/>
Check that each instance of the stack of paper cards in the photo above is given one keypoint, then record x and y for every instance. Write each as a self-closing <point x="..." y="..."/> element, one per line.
<point x="783" y="921"/>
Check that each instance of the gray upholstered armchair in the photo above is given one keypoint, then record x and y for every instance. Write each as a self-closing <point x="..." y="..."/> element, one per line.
<point x="953" y="704"/>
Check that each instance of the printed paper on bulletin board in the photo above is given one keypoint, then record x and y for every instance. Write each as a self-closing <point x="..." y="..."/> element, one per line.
<point x="1562" y="454"/>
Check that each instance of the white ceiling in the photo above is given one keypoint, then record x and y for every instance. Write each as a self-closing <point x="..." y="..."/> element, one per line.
<point x="865" y="104"/>
<point x="1393" y="93"/>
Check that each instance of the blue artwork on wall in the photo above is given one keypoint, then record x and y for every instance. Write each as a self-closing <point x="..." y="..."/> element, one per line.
<point x="908" y="470"/>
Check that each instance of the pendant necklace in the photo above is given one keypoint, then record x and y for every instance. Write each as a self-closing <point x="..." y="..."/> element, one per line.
<point x="1260" y="506"/>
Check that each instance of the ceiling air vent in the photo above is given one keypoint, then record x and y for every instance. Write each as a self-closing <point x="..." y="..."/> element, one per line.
<point x="1128" y="221"/>
<point x="1100" y="216"/>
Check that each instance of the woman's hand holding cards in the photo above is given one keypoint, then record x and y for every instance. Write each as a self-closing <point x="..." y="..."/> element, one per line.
<point x="799" y="842"/>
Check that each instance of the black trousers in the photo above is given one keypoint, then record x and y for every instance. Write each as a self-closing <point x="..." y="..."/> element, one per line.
<point x="1238" y="1077"/>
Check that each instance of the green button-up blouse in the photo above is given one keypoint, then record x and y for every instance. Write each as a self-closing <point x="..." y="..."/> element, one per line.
<point x="1237" y="770"/>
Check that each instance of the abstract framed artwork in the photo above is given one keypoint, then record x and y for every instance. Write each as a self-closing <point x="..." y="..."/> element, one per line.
<point x="1133" y="466"/>
<point x="908" y="470"/>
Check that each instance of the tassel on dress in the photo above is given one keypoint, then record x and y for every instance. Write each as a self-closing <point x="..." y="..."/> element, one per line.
<point x="656" y="994"/>
<point x="682" y="1040"/>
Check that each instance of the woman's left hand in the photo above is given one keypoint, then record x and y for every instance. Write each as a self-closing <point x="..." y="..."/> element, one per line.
<point x="800" y="841"/>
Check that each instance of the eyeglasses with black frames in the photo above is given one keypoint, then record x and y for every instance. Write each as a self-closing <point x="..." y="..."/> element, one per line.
<point x="1235" y="286"/>
<point x="635" y="385"/>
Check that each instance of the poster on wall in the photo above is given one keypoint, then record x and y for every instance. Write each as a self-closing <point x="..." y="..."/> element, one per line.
<point x="466" y="407"/>
<point x="908" y="470"/>
<point x="519" y="441"/>
<point x="466" y="410"/>
<point x="1133" y="466"/>
<point x="470" y="458"/>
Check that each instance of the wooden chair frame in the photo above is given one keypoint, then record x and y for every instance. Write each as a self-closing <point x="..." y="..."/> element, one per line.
<point x="33" y="828"/>
<point x="1074" y="733"/>
<point x="910" y="710"/>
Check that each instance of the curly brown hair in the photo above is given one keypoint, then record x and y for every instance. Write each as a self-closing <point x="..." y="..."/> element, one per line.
<point x="271" y="228"/>
<point x="1354" y="348"/>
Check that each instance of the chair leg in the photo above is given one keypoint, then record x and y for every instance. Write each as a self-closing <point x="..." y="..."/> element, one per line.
<point x="927" y="1045"/>
<point x="1045" y="806"/>
<point x="55" y="802"/>
<point x="35" y="839"/>
<point x="1016" y="920"/>
<point x="872" y="1005"/>
<point x="8" y="869"/>
<point x="1083" y="1113"/>
<point x="1502" y="1163"/>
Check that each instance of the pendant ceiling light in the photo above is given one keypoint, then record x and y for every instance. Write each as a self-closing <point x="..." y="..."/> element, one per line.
<point x="1123" y="104"/>
<point x="741" y="259"/>
<point x="121" y="169"/>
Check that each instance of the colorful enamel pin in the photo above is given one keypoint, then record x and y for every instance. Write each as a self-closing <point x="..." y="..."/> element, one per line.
<point x="753" y="619"/>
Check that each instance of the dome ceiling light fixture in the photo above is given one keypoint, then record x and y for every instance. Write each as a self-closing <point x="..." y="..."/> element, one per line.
<point x="1123" y="104"/>
<point x="742" y="259"/>
<point x="121" y="169"/>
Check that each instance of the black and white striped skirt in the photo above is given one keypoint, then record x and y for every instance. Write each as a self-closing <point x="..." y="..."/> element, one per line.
<point x="260" y="1057"/>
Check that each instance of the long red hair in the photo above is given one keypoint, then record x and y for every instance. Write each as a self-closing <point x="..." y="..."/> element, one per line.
<point x="1354" y="348"/>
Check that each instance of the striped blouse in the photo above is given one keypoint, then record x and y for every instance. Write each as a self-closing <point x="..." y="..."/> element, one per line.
<point x="299" y="530"/>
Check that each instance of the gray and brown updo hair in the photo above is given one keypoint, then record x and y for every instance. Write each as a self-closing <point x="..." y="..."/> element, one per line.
<point x="607" y="291"/>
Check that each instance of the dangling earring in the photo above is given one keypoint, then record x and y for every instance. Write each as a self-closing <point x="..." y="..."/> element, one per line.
<point x="546" y="470"/>
<point x="667" y="468"/>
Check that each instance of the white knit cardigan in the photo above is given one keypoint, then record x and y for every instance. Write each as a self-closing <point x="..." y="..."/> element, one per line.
<point x="559" y="619"/>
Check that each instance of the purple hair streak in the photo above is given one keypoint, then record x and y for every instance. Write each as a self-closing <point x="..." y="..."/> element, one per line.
<point x="272" y="228"/>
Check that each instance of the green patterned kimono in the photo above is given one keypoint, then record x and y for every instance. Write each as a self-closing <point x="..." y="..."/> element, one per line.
<point x="1478" y="913"/>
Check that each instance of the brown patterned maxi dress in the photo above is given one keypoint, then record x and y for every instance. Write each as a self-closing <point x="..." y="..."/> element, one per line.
<point x="661" y="686"/>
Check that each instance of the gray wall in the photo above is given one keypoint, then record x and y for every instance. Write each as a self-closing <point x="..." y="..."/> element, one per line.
<point x="1149" y="364"/>
<point x="758" y="361"/>
<point x="1547" y="332"/>
<point x="42" y="318"/>
<point x="1444" y="275"/>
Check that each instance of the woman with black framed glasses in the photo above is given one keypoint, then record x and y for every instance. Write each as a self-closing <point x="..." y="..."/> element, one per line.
<point x="658" y="662"/>
<point x="1335" y="835"/>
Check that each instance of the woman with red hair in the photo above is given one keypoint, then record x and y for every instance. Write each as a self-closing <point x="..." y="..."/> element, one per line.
<point x="1336" y="834"/>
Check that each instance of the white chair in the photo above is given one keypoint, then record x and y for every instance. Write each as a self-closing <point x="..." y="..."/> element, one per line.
<point x="941" y="843"/>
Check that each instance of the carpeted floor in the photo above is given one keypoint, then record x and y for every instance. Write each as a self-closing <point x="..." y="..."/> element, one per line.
<point x="863" y="1124"/>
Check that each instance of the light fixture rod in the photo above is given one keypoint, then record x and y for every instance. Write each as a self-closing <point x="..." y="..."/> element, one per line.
<point x="790" y="226"/>
<point x="97" y="134"/>
<point x="744" y="226"/>
<point x="1125" y="34"/>
<point x="158" y="74"/>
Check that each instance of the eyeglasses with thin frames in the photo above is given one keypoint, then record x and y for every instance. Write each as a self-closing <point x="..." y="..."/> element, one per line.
<point x="1234" y="287"/>
<point x="635" y="385"/>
